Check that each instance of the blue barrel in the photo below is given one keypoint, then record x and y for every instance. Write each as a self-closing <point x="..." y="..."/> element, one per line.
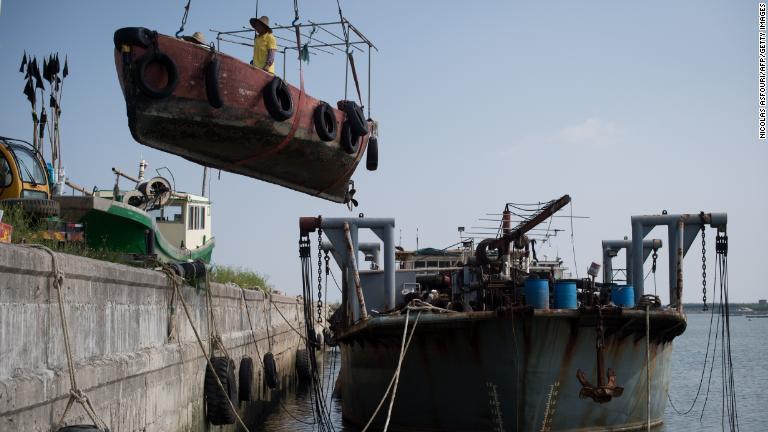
<point x="565" y="295"/>
<point x="623" y="295"/>
<point x="537" y="293"/>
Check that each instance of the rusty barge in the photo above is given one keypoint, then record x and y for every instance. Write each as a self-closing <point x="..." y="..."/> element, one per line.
<point x="458" y="342"/>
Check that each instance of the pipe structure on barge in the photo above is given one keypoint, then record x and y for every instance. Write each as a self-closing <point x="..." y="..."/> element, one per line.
<point x="506" y="366"/>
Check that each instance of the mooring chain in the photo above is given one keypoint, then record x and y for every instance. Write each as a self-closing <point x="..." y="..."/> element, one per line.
<point x="655" y="257"/>
<point x="703" y="268"/>
<point x="320" y="275"/>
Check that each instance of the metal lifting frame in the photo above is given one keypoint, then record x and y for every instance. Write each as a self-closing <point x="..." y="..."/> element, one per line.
<point x="679" y="240"/>
<point x="371" y="249"/>
<point x="342" y="43"/>
<point x="333" y="228"/>
<point x="612" y="247"/>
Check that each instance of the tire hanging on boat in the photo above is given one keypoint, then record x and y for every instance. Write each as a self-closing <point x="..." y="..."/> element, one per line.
<point x="325" y="122"/>
<point x="372" y="154"/>
<point x="270" y="371"/>
<point x="355" y="117"/>
<point x="217" y="408"/>
<point x="212" y="83"/>
<point x="132" y="36"/>
<point x="170" y="68"/>
<point x="278" y="100"/>
<point x="245" y="375"/>
<point x="349" y="141"/>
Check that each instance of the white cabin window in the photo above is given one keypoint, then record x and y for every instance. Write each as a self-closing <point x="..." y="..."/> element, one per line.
<point x="196" y="217"/>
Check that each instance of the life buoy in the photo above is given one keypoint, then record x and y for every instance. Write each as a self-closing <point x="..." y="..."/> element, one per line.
<point x="132" y="36"/>
<point x="212" y="83"/>
<point x="278" y="100"/>
<point x="217" y="408"/>
<point x="355" y="117"/>
<point x="170" y="69"/>
<point x="245" y="375"/>
<point x="349" y="141"/>
<point x="372" y="154"/>
<point x="325" y="122"/>
<point x="270" y="371"/>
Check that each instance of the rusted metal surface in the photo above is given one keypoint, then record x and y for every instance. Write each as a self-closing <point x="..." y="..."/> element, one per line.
<point x="523" y="355"/>
<point x="239" y="137"/>
<point x="604" y="391"/>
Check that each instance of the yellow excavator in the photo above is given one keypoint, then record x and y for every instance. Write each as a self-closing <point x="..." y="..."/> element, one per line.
<point x="24" y="180"/>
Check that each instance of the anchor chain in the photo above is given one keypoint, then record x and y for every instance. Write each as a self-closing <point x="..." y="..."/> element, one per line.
<point x="655" y="257"/>
<point x="320" y="275"/>
<point x="703" y="268"/>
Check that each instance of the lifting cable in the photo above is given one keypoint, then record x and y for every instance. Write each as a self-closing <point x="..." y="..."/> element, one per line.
<point x="184" y="18"/>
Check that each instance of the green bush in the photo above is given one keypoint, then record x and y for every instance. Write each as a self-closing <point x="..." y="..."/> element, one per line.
<point x="243" y="277"/>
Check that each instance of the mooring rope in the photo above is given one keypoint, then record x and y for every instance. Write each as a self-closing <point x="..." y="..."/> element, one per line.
<point x="395" y="377"/>
<point x="75" y="394"/>
<point x="172" y="279"/>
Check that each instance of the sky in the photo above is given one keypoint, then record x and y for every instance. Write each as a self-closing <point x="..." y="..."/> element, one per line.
<point x="630" y="108"/>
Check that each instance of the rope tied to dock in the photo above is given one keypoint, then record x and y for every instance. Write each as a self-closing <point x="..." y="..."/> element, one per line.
<point x="175" y="283"/>
<point x="648" y="365"/>
<point x="75" y="394"/>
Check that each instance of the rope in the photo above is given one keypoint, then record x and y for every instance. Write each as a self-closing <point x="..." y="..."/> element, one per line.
<point x="395" y="377"/>
<point x="172" y="279"/>
<point x="250" y="325"/>
<point x="75" y="394"/>
<point x="184" y="18"/>
<point x="304" y="338"/>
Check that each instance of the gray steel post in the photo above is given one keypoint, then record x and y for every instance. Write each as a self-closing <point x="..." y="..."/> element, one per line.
<point x="642" y="225"/>
<point x="612" y="247"/>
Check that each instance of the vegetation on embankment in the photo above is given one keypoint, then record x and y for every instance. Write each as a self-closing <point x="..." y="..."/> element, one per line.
<point x="28" y="229"/>
<point x="240" y="276"/>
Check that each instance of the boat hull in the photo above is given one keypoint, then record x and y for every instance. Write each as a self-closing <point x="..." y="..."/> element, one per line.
<point x="241" y="136"/>
<point x="118" y="227"/>
<point x="481" y="371"/>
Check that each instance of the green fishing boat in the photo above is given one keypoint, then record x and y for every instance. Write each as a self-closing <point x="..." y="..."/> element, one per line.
<point x="151" y="220"/>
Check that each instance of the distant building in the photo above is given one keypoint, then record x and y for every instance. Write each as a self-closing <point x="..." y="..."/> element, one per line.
<point x="762" y="302"/>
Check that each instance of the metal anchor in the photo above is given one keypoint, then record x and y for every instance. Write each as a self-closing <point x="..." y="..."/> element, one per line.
<point x="603" y="392"/>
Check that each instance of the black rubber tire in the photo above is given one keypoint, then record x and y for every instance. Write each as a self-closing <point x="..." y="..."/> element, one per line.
<point x="217" y="409"/>
<point x="372" y="154"/>
<point x="34" y="206"/>
<point x="325" y="122"/>
<point x="303" y="367"/>
<point x="245" y="375"/>
<point x="212" y="83"/>
<point x="278" y="100"/>
<point x="270" y="371"/>
<point x="328" y="337"/>
<point x="356" y="118"/>
<point x="170" y="69"/>
<point x="132" y="36"/>
<point x="349" y="141"/>
<point x="79" y="428"/>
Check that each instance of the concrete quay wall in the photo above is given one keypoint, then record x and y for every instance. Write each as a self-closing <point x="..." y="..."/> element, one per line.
<point x="135" y="354"/>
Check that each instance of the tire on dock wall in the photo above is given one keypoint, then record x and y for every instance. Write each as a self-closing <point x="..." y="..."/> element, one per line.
<point x="303" y="367"/>
<point x="270" y="371"/>
<point x="218" y="410"/>
<point x="246" y="379"/>
<point x="79" y="428"/>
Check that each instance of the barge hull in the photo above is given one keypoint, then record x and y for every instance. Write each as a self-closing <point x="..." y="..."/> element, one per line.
<point x="482" y="371"/>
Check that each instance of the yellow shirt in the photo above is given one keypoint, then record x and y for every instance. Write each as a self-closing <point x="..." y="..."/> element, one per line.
<point x="261" y="46"/>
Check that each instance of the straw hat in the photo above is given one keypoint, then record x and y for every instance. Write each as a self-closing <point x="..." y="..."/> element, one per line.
<point x="196" y="37"/>
<point x="261" y="23"/>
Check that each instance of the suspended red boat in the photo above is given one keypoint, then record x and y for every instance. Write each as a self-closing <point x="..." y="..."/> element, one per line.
<point x="213" y="109"/>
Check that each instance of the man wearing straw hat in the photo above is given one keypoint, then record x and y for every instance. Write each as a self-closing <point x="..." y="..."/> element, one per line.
<point x="264" y="46"/>
<point x="196" y="37"/>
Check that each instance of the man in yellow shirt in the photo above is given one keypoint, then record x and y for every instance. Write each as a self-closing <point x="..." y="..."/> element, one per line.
<point x="264" y="46"/>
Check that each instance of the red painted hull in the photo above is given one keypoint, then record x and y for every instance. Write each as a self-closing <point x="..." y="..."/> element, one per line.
<point x="240" y="137"/>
